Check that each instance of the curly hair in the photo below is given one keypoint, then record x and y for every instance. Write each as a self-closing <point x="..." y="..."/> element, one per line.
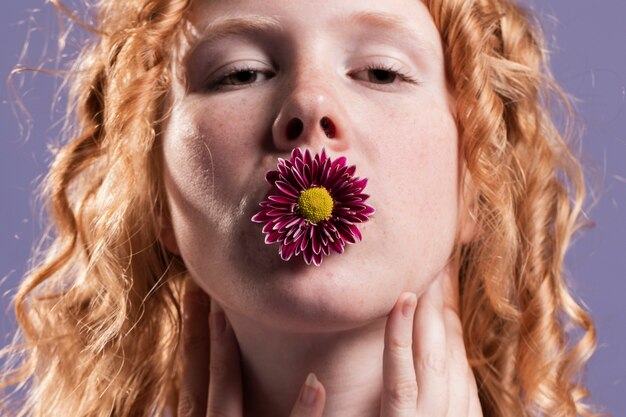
<point x="100" y="313"/>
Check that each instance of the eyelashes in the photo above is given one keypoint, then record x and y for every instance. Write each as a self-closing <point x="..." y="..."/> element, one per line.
<point x="382" y="75"/>
<point x="244" y="75"/>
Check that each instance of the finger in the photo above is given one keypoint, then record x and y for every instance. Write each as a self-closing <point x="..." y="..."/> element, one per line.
<point x="475" y="408"/>
<point x="458" y="366"/>
<point x="311" y="399"/>
<point x="196" y="347"/>
<point x="449" y="280"/>
<point x="225" y="397"/>
<point x="431" y="362"/>
<point x="459" y="383"/>
<point x="399" y="396"/>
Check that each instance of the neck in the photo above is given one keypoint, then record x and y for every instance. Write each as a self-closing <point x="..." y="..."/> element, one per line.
<point x="275" y="364"/>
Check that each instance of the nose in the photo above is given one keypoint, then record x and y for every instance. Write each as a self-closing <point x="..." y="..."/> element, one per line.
<point x="310" y="116"/>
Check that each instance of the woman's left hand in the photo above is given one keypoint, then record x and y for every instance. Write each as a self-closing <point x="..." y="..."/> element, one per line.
<point x="425" y="367"/>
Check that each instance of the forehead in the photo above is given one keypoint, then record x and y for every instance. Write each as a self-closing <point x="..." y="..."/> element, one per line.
<point x="402" y="18"/>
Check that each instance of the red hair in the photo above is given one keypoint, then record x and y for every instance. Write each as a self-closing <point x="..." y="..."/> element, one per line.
<point x="99" y="316"/>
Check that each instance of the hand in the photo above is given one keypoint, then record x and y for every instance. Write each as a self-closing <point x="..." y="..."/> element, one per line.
<point x="425" y="367"/>
<point x="217" y="358"/>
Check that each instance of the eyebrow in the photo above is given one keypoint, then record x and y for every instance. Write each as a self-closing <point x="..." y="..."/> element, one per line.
<point x="385" y="22"/>
<point x="230" y="26"/>
<point x="223" y="28"/>
<point x="252" y="24"/>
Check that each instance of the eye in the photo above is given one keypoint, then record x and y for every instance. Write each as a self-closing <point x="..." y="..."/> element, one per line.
<point x="239" y="77"/>
<point x="382" y="74"/>
<point x="243" y="77"/>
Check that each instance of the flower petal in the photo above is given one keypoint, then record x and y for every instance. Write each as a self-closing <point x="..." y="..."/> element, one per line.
<point x="315" y="170"/>
<point x="308" y="256"/>
<point x="272" y="176"/>
<point x="282" y="199"/>
<point x="345" y="232"/>
<point x="337" y="246"/>
<point x="261" y="217"/>
<point x="317" y="259"/>
<point x="316" y="241"/>
<point x="287" y="189"/>
<point x="272" y="237"/>
<point x="299" y="178"/>
<point x="307" y="157"/>
<point x="341" y="161"/>
<point x="287" y="251"/>
<point x="281" y="218"/>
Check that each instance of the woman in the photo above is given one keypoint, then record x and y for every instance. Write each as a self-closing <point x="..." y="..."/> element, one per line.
<point x="454" y="302"/>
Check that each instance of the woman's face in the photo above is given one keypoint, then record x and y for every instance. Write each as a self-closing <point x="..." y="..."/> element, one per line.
<point x="376" y="70"/>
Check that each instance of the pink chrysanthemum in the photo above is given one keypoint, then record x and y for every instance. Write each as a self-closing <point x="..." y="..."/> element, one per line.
<point x="313" y="206"/>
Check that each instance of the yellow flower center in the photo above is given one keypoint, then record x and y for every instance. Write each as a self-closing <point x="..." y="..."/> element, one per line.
<point x="315" y="204"/>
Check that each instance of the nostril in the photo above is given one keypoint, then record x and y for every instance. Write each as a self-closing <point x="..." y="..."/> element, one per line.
<point x="294" y="128"/>
<point x="328" y="127"/>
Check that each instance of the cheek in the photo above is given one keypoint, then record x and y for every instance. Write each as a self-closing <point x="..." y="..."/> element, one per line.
<point x="421" y="181"/>
<point x="210" y="153"/>
<point x="203" y="154"/>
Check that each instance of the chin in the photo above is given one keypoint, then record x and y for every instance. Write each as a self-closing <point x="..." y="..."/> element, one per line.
<point x="346" y="291"/>
<point x="343" y="293"/>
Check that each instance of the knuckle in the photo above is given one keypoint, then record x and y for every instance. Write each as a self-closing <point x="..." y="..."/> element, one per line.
<point x="399" y="347"/>
<point x="433" y="362"/>
<point x="218" y="371"/>
<point x="400" y="344"/>
<point x="458" y="356"/>
<point x="215" y="411"/>
<point x="187" y="405"/>
<point x="402" y="394"/>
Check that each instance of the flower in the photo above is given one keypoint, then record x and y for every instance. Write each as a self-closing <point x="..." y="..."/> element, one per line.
<point x="313" y="206"/>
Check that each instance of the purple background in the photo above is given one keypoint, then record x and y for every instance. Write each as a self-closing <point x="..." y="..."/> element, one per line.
<point x="588" y="59"/>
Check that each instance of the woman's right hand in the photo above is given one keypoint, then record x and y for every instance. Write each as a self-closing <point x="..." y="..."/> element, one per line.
<point x="217" y="358"/>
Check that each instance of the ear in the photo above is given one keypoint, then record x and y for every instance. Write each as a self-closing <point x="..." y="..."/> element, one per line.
<point x="167" y="237"/>
<point x="467" y="208"/>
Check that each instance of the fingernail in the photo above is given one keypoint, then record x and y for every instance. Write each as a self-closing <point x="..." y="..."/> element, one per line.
<point x="310" y="390"/>
<point x="218" y="324"/>
<point x="408" y="307"/>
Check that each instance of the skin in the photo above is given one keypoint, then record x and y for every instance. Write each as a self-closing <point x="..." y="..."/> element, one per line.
<point x="343" y="321"/>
